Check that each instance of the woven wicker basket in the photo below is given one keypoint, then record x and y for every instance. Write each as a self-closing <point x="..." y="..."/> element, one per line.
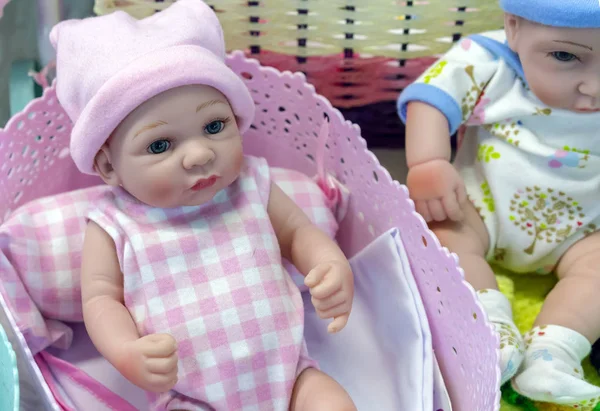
<point x="359" y="54"/>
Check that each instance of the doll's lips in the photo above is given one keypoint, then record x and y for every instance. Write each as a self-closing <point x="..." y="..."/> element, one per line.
<point x="204" y="183"/>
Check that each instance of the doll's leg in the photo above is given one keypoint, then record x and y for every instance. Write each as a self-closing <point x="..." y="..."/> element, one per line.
<point x="316" y="391"/>
<point x="469" y="240"/>
<point x="568" y="323"/>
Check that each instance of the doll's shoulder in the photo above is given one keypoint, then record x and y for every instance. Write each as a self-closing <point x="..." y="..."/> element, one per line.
<point x="113" y="207"/>
<point x="255" y="167"/>
<point x="255" y="175"/>
<point x="254" y="163"/>
<point x="497" y="35"/>
<point x="480" y="48"/>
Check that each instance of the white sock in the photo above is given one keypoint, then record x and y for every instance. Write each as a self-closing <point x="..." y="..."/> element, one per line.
<point x="512" y="347"/>
<point x="552" y="368"/>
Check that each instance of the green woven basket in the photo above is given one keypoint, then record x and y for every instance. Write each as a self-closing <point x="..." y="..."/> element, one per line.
<point x="389" y="28"/>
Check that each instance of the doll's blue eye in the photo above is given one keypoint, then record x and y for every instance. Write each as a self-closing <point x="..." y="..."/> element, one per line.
<point x="214" y="127"/>
<point x="159" y="146"/>
<point x="563" y="56"/>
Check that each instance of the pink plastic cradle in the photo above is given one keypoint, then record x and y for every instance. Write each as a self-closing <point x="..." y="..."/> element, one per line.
<point x="35" y="162"/>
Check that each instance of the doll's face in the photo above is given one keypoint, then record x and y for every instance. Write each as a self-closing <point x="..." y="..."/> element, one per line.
<point x="562" y="65"/>
<point x="177" y="149"/>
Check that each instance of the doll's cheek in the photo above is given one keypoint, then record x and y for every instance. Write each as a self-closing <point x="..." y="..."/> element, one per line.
<point x="162" y="187"/>
<point x="150" y="188"/>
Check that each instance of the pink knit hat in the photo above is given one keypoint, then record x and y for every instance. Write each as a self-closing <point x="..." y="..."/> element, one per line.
<point x="107" y="66"/>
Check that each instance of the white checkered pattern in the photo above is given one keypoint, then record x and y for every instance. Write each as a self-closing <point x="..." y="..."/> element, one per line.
<point x="228" y="273"/>
<point x="40" y="262"/>
<point x="40" y="257"/>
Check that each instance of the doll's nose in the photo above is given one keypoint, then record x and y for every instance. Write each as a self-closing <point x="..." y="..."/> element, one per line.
<point x="197" y="155"/>
<point x="591" y="86"/>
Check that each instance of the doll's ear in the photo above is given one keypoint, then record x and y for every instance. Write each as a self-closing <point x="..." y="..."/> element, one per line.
<point x="103" y="166"/>
<point x="512" y="25"/>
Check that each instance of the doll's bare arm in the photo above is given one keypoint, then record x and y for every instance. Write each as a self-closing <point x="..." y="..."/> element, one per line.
<point x="434" y="184"/>
<point x="327" y="271"/>
<point x="301" y="242"/>
<point x="150" y="362"/>
<point x="445" y="96"/>
<point x="427" y="134"/>
<point x="107" y="321"/>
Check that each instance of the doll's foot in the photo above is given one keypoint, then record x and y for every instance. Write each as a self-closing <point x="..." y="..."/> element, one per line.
<point x="512" y="350"/>
<point x="512" y="347"/>
<point x="552" y="369"/>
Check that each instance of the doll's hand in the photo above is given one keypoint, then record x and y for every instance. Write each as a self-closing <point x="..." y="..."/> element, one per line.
<point x="331" y="286"/>
<point x="437" y="190"/>
<point x="150" y="362"/>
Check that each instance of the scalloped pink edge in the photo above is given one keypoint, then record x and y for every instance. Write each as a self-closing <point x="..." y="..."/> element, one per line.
<point x="14" y="120"/>
<point x="239" y="55"/>
<point x="488" y="325"/>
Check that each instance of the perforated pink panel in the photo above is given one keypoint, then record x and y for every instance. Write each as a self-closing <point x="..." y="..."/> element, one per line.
<point x="35" y="162"/>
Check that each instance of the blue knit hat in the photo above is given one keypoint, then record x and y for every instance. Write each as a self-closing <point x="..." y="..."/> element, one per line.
<point x="558" y="13"/>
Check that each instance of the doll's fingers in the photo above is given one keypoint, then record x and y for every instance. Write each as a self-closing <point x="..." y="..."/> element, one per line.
<point x="160" y="339"/>
<point x="160" y="345"/>
<point x="162" y="365"/>
<point x="436" y="210"/>
<point x="333" y="312"/>
<point x="316" y="275"/>
<point x="338" y="323"/>
<point x="331" y="284"/>
<point x="421" y="208"/>
<point x="329" y="302"/>
<point x="452" y="208"/>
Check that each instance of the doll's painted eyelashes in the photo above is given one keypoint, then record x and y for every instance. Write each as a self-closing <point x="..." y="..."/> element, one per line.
<point x="216" y="125"/>
<point x="213" y="127"/>
<point x="563" y="56"/>
<point x="159" y="146"/>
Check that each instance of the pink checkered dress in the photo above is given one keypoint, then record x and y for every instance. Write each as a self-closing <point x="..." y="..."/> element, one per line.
<point x="212" y="277"/>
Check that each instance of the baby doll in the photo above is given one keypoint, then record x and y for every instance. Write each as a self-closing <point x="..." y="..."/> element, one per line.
<point x="523" y="190"/>
<point x="182" y="283"/>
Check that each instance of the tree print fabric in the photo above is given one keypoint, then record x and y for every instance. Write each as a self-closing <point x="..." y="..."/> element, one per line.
<point x="532" y="172"/>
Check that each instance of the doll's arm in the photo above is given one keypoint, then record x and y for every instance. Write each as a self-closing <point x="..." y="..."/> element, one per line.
<point x="433" y="108"/>
<point x="108" y="322"/>
<point x="149" y="362"/>
<point x="316" y="256"/>
<point x="301" y="242"/>
<point x="427" y="134"/>
<point x="444" y="97"/>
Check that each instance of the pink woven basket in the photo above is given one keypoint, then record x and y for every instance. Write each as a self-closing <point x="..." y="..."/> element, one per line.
<point x="35" y="162"/>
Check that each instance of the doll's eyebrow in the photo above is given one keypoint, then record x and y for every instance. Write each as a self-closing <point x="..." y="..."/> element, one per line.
<point x="208" y="104"/>
<point x="150" y="127"/>
<point x="574" y="44"/>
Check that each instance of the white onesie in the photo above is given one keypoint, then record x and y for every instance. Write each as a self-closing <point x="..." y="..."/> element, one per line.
<point x="532" y="172"/>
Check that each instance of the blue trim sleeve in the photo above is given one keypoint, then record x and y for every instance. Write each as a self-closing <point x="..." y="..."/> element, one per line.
<point x="434" y="96"/>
